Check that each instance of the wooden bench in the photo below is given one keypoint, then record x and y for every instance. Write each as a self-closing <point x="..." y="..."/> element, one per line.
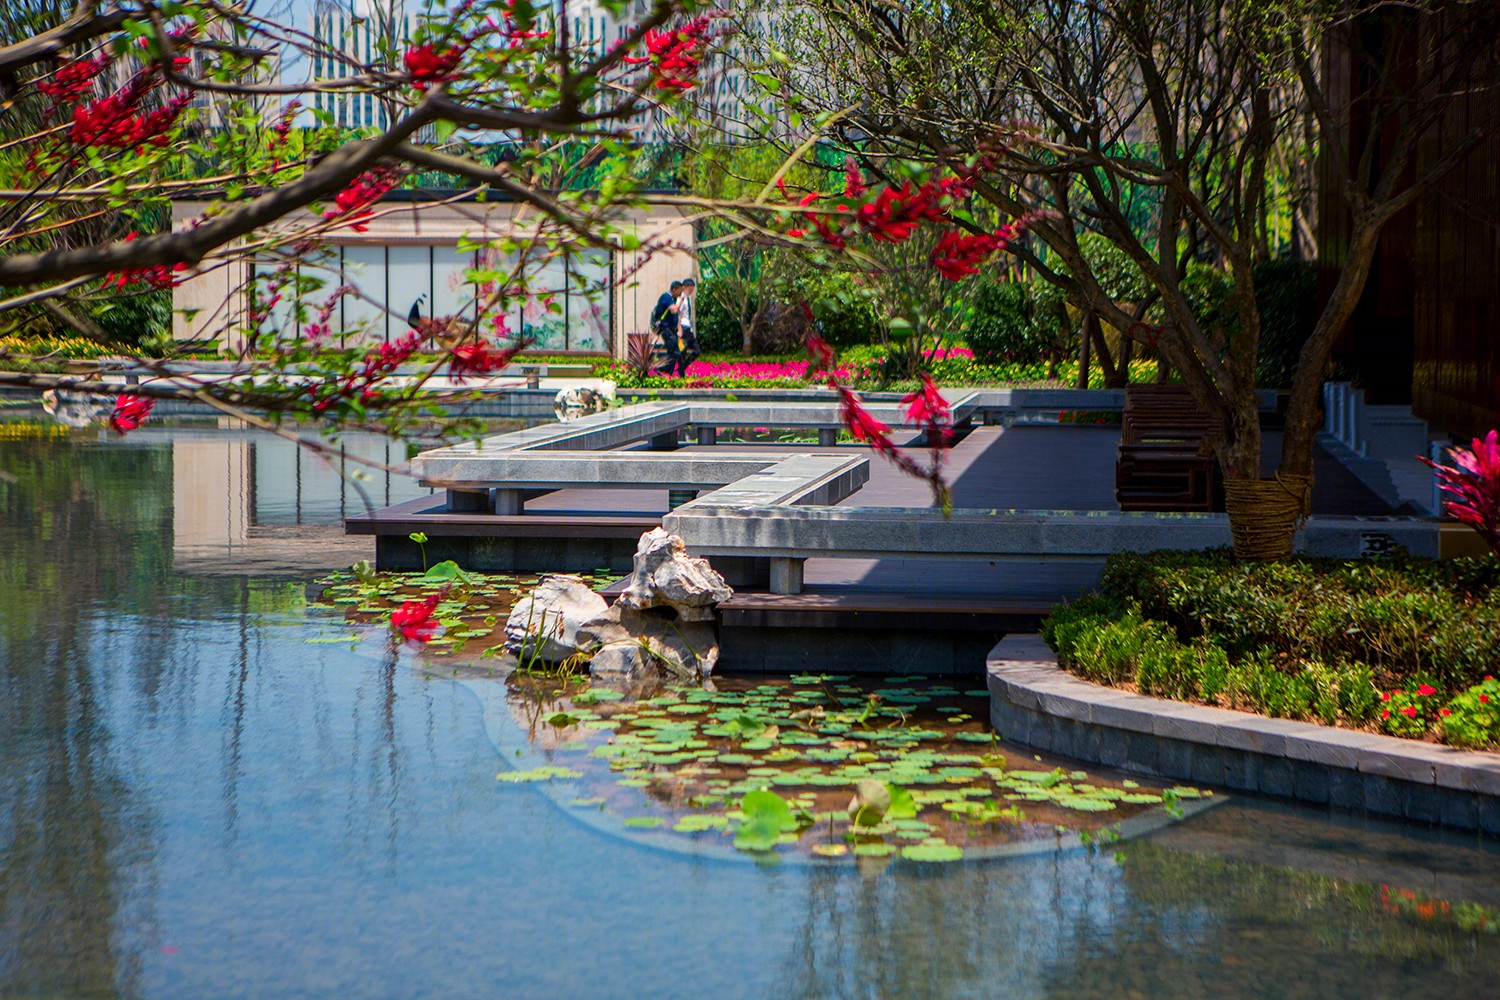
<point x="1166" y="454"/>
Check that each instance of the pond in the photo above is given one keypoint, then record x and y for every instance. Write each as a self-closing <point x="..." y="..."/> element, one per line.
<point x="196" y="800"/>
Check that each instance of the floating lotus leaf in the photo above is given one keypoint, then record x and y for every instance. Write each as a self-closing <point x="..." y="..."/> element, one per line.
<point x="1140" y="798"/>
<point x="830" y="850"/>
<point x="699" y="823"/>
<point x="932" y="852"/>
<point x="1083" y="803"/>
<point x="1183" y="792"/>
<point x="547" y="772"/>
<point x="875" y="850"/>
<point x="644" y="822"/>
<point x="977" y="693"/>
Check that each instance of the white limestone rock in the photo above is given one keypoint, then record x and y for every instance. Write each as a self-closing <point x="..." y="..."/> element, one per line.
<point x="630" y="643"/>
<point x="545" y="623"/>
<point x="664" y="575"/>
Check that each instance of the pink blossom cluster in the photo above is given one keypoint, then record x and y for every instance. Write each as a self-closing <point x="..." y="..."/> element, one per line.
<point x="759" y="370"/>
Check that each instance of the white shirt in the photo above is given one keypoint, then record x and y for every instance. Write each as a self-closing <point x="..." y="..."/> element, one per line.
<point x="685" y="312"/>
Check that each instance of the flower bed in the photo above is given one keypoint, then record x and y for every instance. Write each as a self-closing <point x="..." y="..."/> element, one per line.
<point x="1405" y="647"/>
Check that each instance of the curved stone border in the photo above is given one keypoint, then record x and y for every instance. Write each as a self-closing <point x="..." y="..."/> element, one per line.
<point x="515" y="751"/>
<point x="1036" y="703"/>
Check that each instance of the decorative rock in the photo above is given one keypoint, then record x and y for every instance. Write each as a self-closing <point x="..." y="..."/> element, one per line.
<point x="545" y="623"/>
<point x="577" y="402"/>
<point x="664" y="575"/>
<point x="628" y="643"/>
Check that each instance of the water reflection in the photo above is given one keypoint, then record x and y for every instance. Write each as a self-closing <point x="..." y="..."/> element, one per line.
<point x="195" y="801"/>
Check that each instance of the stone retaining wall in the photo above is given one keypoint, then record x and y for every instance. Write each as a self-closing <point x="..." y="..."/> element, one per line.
<point x="1035" y="703"/>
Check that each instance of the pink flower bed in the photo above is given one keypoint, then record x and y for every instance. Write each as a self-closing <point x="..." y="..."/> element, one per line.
<point x="944" y="353"/>
<point x="761" y="371"/>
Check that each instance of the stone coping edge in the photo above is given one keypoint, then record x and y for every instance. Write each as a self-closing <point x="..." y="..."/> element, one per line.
<point x="1035" y="702"/>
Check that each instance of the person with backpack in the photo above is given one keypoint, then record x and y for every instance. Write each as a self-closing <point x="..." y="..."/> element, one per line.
<point x="687" y="334"/>
<point x="664" y="323"/>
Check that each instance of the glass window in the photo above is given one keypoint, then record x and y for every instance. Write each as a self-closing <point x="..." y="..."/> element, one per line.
<point x="544" y="313"/>
<point x="588" y="312"/>
<point x="408" y="287"/>
<point x="452" y="293"/>
<point x="364" y="319"/>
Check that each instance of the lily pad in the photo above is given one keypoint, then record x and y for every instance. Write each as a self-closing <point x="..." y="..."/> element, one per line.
<point x="932" y="852"/>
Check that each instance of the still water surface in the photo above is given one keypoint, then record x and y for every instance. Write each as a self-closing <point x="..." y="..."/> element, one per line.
<point x="195" y="802"/>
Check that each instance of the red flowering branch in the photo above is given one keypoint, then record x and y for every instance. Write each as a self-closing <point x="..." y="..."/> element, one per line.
<point x="353" y="203"/>
<point x="676" y="54"/>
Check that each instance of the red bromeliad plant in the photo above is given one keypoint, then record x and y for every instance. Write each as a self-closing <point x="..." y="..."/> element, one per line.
<point x="1473" y="487"/>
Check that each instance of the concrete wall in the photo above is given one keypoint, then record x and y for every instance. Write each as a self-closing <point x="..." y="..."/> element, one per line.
<point x="208" y="305"/>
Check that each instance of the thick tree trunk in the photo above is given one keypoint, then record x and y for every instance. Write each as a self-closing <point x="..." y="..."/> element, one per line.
<point x="1304" y="414"/>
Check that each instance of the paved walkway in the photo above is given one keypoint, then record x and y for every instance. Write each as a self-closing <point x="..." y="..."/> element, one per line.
<point x="1022" y="468"/>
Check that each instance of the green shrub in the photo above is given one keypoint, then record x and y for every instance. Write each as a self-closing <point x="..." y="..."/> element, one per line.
<point x="718" y="328"/>
<point x="1473" y="717"/>
<point x="1409" y="712"/>
<point x="1400" y="616"/>
<point x="1286" y="298"/>
<point x="1004" y="327"/>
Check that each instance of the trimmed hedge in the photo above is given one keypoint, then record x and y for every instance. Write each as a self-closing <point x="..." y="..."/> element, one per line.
<point x="1403" y="645"/>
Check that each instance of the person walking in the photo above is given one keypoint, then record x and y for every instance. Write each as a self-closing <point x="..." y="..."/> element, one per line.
<point x="664" y="323"/>
<point x="687" y="334"/>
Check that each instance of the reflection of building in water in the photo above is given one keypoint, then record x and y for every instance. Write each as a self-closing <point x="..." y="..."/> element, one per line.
<point x="243" y="501"/>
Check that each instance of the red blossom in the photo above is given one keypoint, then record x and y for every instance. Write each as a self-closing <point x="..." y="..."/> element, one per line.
<point x="427" y="64"/>
<point x="1426" y="689"/>
<point x="676" y="54"/>
<point x="414" y="620"/>
<point x="353" y="203"/>
<point x="1385" y="714"/>
<point x="1385" y="696"/>
<point x="74" y="79"/>
<point x="1444" y="712"/>
<point x="115" y="122"/>
<point x="480" y="359"/>
<point x="927" y="408"/>
<point x="854" y="183"/>
<point x="1473" y="487"/>
<point x="156" y="275"/>
<point x="959" y="254"/>
<point x="130" y="412"/>
<point x="1409" y="711"/>
<point x="818" y="350"/>
<point x="1484" y="699"/>
<point x="862" y="425"/>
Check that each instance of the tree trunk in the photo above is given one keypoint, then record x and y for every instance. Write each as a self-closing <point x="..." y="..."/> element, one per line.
<point x="1304" y="413"/>
<point x="1083" y="355"/>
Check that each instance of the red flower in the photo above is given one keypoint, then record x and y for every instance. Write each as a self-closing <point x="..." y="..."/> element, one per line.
<point x="113" y="121"/>
<point x="428" y="65"/>
<point x="1425" y="690"/>
<point x="861" y="424"/>
<point x="928" y="408"/>
<point x="353" y="203"/>
<point x="1484" y="699"/>
<point x="676" y="54"/>
<point x="130" y="412"/>
<point x="479" y="359"/>
<point x="73" y="80"/>
<point x="1386" y="714"/>
<point x="817" y="348"/>
<point x="414" y="620"/>
<point x="1386" y="696"/>
<point x="854" y="184"/>
<point x="1444" y="712"/>
<point x="1409" y="711"/>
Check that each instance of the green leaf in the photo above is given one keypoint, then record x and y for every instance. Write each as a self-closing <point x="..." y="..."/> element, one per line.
<point x="932" y="852"/>
<point x="562" y="720"/>
<point x="446" y="570"/>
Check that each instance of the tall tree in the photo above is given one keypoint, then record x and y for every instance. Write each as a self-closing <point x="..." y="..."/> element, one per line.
<point x="1083" y="105"/>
